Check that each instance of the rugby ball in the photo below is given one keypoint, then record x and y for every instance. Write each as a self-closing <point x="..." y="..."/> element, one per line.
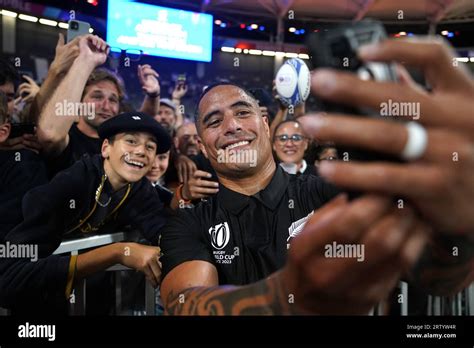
<point x="292" y="82"/>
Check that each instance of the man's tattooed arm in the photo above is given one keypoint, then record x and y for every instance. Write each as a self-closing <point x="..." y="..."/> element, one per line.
<point x="265" y="297"/>
<point x="446" y="267"/>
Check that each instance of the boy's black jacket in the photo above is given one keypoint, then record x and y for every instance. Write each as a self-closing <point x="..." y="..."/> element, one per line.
<point x="48" y="215"/>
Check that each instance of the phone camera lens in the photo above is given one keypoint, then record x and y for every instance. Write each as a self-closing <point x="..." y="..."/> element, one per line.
<point x="74" y="25"/>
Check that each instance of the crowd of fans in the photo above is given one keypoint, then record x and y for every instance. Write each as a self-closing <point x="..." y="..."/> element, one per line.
<point x="52" y="137"/>
<point x="48" y="131"/>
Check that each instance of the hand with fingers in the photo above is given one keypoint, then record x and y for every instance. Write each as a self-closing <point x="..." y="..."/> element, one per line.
<point x="148" y="78"/>
<point x="179" y="91"/>
<point x="328" y="283"/>
<point x="93" y="50"/>
<point x="28" y="90"/>
<point x="143" y="258"/>
<point x="65" y="55"/>
<point x="30" y="141"/>
<point x="185" y="167"/>
<point x="198" y="186"/>
<point x="26" y="141"/>
<point x="12" y="144"/>
<point x="439" y="148"/>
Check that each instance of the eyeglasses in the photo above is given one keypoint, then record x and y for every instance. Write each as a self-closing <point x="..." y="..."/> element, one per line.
<point x="283" y="138"/>
<point x="329" y="158"/>
<point x="133" y="54"/>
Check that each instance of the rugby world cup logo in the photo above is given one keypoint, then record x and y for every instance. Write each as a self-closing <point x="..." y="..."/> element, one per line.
<point x="220" y="235"/>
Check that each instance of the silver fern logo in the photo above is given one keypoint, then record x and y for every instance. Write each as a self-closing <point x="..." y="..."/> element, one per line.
<point x="296" y="228"/>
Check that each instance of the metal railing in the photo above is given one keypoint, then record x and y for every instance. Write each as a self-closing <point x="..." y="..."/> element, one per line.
<point x="73" y="246"/>
<point x="459" y="304"/>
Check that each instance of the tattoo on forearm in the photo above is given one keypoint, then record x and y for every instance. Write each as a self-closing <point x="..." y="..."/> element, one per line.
<point x="262" y="298"/>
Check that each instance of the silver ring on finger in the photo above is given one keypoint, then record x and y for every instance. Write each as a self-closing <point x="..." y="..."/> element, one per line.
<point x="417" y="141"/>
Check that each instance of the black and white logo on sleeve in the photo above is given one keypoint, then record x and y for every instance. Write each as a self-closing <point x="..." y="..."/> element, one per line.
<point x="220" y="235"/>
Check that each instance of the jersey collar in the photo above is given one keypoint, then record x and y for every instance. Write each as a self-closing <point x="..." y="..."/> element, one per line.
<point x="270" y="196"/>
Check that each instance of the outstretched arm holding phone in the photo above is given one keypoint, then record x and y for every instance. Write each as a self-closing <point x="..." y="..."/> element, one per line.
<point x="63" y="60"/>
<point x="53" y="130"/>
<point x="179" y="92"/>
<point x="440" y="183"/>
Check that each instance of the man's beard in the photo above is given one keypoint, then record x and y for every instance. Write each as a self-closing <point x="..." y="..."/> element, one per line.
<point x="165" y="125"/>
<point x="169" y="128"/>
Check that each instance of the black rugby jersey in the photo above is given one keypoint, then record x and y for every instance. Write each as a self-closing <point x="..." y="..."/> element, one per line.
<point x="245" y="237"/>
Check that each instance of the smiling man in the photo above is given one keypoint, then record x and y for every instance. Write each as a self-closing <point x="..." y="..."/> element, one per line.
<point x="97" y="194"/>
<point x="239" y="236"/>
<point x="226" y="256"/>
<point x="229" y="255"/>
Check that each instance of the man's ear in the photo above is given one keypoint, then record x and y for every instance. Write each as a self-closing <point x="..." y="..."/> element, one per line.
<point x="203" y="149"/>
<point x="4" y="132"/>
<point x="106" y="149"/>
<point x="267" y="127"/>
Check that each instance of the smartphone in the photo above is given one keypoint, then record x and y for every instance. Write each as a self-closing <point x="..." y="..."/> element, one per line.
<point x="336" y="48"/>
<point x="18" y="129"/>
<point x="77" y="28"/>
<point x="25" y="94"/>
<point x="181" y="80"/>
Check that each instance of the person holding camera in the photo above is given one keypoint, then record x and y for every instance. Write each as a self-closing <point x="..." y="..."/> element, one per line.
<point x="239" y="268"/>
<point x="95" y="93"/>
<point x="439" y="150"/>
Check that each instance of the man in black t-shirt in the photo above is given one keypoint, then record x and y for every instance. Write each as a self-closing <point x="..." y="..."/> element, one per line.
<point x="241" y="236"/>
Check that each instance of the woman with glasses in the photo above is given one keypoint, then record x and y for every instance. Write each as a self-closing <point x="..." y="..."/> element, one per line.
<point x="290" y="144"/>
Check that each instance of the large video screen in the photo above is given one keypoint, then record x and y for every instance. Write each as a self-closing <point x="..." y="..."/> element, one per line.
<point x="159" y="31"/>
